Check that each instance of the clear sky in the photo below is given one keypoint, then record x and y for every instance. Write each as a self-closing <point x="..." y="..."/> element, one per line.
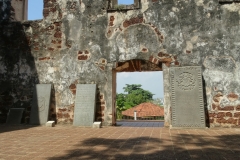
<point x="35" y="9"/>
<point x="151" y="81"/>
<point x="125" y="1"/>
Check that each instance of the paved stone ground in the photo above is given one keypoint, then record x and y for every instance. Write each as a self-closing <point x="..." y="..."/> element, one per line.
<point x="111" y="143"/>
<point x="140" y="123"/>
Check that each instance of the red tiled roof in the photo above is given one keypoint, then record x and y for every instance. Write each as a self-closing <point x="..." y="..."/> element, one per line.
<point x="145" y="110"/>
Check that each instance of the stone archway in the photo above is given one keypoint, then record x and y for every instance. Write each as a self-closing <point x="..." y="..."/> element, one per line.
<point x="139" y="65"/>
<point x="133" y="38"/>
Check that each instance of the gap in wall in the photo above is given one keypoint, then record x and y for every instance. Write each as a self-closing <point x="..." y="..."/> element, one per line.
<point x="125" y="2"/>
<point x="149" y="80"/>
<point x="35" y="9"/>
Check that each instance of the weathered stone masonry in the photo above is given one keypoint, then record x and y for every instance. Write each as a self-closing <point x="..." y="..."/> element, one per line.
<point x="82" y="41"/>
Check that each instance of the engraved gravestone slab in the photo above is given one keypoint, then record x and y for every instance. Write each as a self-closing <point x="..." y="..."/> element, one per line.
<point x="15" y="116"/>
<point x="187" y="97"/>
<point x="84" y="111"/>
<point x="41" y="102"/>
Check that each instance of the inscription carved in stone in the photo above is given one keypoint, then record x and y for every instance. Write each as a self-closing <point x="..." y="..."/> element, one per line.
<point x="41" y="102"/>
<point x="186" y="81"/>
<point x="84" y="111"/>
<point x="187" y="97"/>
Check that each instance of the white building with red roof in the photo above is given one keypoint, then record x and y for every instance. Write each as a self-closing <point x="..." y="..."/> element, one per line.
<point x="144" y="111"/>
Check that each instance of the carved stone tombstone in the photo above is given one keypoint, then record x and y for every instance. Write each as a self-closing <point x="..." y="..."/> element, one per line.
<point x="41" y="102"/>
<point x="85" y="104"/>
<point x="187" y="97"/>
<point x="15" y="116"/>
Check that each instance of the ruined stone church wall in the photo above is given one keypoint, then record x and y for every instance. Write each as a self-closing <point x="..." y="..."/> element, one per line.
<point x="79" y="41"/>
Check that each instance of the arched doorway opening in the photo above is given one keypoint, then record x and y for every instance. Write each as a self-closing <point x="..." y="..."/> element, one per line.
<point x="136" y="65"/>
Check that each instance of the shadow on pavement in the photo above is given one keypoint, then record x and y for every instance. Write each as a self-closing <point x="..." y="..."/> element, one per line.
<point x="175" y="147"/>
<point x="14" y="127"/>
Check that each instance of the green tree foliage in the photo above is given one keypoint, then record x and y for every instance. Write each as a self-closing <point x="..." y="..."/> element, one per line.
<point x="120" y="101"/>
<point x="132" y="87"/>
<point x="135" y="96"/>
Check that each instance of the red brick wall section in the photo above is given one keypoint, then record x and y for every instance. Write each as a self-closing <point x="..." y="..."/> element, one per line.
<point x="73" y="88"/>
<point x="84" y="55"/>
<point x="228" y="116"/>
<point x="53" y="29"/>
<point x="65" y="114"/>
<point x="165" y="58"/>
<point x="100" y="107"/>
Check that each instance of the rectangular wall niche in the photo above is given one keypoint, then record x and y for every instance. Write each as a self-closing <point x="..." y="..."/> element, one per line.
<point x="114" y="5"/>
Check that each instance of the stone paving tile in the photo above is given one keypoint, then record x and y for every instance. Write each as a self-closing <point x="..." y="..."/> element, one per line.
<point x="147" y="143"/>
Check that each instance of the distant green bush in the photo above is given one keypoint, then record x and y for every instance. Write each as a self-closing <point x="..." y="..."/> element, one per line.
<point x="119" y="7"/>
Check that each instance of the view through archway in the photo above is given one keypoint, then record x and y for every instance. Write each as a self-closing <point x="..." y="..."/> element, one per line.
<point x="139" y="94"/>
